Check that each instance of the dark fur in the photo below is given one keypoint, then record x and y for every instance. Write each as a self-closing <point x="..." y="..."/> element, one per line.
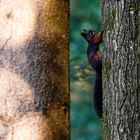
<point x="96" y="63"/>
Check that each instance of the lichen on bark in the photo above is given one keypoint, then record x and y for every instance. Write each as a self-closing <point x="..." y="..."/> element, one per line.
<point x="121" y="100"/>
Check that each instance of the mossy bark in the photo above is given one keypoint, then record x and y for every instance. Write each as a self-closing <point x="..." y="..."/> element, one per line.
<point x="121" y="72"/>
<point x="34" y="95"/>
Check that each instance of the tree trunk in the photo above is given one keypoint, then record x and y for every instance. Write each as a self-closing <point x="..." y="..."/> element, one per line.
<point x="34" y="99"/>
<point x="121" y="73"/>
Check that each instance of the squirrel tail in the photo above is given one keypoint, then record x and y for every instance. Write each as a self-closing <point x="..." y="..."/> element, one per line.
<point x="97" y="95"/>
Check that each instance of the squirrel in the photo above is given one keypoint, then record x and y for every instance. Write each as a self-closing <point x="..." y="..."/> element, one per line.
<point x="95" y="61"/>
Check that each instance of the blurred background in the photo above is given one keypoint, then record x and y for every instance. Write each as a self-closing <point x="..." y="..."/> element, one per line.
<point x="85" y="125"/>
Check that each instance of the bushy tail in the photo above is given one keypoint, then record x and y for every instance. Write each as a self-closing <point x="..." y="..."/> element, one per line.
<point x="97" y="95"/>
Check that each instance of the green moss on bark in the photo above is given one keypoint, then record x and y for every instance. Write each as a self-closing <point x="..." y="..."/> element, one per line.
<point x="109" y="20"/>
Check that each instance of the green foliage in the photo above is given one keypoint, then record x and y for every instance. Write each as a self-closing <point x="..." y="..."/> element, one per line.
<point x="85" y="125"/>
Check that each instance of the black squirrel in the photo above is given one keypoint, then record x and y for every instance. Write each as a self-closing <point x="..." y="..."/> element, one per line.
<point x="95" y="61"/>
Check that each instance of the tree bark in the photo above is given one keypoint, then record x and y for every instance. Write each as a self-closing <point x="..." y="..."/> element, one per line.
<point x="34" y="98"/>
<point x="121" y="73"/>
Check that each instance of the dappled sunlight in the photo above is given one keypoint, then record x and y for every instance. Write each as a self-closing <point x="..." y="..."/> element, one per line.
<point x="80" y="89"/>
<point x="83" y="85"/>
<point x="17" y="22"/>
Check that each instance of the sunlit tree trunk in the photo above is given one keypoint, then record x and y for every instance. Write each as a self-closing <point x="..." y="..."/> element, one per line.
<point x="34" y="99"/>
<point x="121" y="73"/>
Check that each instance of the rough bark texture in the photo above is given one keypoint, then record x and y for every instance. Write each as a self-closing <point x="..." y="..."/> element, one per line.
<point x="121" y="73"/>
<point x="34" y="99"/>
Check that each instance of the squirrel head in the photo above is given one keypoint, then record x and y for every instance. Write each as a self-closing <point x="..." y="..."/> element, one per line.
<point x="91" y="36"/>
<point x="88" y="34"/>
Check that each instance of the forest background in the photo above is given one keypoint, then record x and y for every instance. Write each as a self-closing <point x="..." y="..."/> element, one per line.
<point x="85" y="125"/>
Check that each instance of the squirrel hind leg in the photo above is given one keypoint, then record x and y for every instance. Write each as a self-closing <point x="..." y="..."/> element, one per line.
<point x="96" y="65"/>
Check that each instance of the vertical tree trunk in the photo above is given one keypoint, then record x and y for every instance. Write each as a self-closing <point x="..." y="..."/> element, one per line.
<point x="121" y="74"/>
<point x="34" y="99"/>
